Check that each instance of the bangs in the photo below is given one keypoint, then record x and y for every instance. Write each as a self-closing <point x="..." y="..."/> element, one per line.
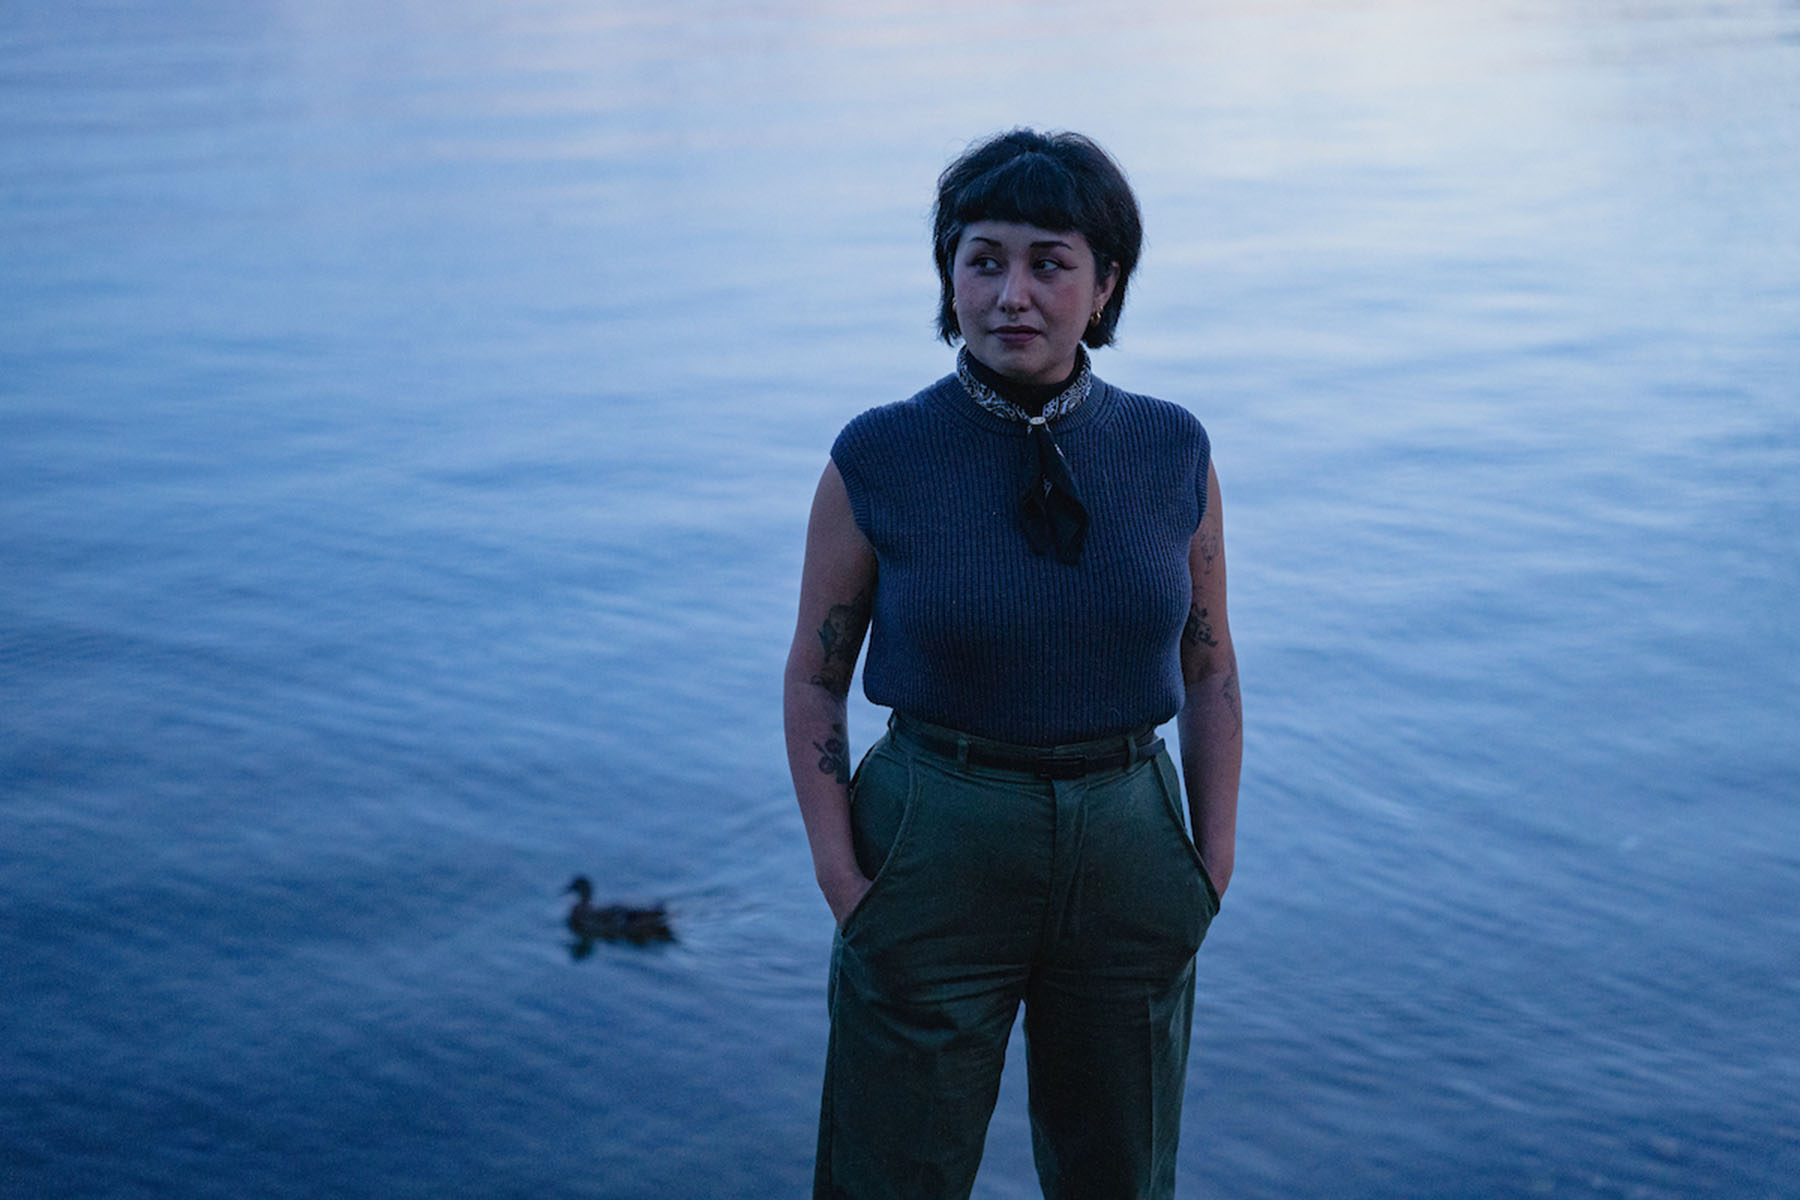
<point x="1032" y="189"/>
<point x="1061" y="183"/>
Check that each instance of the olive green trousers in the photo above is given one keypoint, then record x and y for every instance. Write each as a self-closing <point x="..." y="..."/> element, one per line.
<point x="1085" y="900"/>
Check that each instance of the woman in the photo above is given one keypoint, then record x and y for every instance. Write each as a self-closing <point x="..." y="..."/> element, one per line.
<point x="1038" y="559"/>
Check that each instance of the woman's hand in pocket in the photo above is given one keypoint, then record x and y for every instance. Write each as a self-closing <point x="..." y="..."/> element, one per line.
<point x="844" y="895"/>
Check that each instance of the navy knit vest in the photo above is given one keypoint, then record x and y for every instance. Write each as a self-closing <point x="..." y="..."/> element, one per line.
<point x="973" y="631"/>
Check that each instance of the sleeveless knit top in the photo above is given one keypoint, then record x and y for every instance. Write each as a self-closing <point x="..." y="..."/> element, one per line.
<point x="970" y="629"/>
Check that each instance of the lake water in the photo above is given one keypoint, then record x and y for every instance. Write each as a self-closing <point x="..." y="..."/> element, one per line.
<point x="408" y="414"/>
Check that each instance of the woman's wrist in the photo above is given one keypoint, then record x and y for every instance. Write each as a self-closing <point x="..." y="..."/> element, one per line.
<point x="843" y="891"/>
<point x="1218" y="868"/>
<point x="840" y="878"/>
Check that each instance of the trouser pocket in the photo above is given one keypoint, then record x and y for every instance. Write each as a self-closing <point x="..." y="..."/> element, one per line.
<point x="959" y="860"/>
<point x="1141" y="905"/>
<point x="1171" y="793"/>
<point x="881" y="801"/>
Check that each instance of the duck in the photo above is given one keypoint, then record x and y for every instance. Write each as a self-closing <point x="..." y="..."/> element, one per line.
<point x="615" y="922"/>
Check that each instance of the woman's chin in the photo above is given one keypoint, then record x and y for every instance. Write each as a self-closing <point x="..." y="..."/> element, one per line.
<point x="1028" y="363"/>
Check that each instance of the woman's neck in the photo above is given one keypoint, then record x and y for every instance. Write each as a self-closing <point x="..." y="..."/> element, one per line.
<point x="1029" y="396"/>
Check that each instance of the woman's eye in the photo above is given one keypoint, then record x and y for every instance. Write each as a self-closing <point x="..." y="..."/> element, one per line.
<point x="1049" y="264"/>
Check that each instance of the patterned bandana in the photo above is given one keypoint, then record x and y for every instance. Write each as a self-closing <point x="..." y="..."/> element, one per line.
<point x="1061" y="405"/>
<point x="1051" y="512"/>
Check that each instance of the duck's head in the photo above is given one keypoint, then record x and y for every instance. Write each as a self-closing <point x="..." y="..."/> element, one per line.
<point x="581" y="887"/>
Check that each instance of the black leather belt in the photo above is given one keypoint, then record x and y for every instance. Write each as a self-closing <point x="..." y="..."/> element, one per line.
<point x="1054" y="762"/>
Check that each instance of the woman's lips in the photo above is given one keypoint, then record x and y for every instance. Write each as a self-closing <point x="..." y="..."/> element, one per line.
<point x="1015" y="335"/>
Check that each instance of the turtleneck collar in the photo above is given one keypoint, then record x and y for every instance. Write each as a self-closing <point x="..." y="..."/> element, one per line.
<point x="1014" y="400"/>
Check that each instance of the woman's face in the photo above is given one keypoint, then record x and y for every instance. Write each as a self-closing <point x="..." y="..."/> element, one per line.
<point x="1024" y="296"/>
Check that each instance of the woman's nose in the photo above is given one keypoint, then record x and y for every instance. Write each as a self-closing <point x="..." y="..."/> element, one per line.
<point x="1014" y="296"/>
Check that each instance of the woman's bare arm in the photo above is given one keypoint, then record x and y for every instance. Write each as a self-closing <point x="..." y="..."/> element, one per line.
<point x="837" y="590"/>
<point x="1212" y="715"/>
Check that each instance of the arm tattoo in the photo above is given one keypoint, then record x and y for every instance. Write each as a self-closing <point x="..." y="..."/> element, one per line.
<point x="1199" y="629"/>
<point x="1209" y="547"/>
<point x="840" y="637"/>
<point x="1233" y="702"/>
<point x="834" y="754"/>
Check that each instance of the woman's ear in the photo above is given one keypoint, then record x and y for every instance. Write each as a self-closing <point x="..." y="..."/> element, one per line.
<point x="1103" y="289"/>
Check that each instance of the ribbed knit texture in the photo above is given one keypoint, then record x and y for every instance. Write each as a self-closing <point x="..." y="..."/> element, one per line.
<point x="973" y="631"/>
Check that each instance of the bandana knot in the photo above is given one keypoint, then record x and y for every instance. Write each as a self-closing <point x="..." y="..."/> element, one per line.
<point x="1051" y="512"/>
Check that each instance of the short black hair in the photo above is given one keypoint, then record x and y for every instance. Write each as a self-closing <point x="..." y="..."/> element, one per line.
<point x="1056" y="181"/>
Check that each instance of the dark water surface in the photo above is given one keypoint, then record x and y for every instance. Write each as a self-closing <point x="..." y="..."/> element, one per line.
<point x="408" y="413"/>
